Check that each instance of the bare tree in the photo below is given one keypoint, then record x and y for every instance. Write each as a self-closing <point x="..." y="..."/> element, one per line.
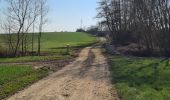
<point x="149" y="20"/>
<point x="8" y="38"/>
<point x="35" y="16"/>
<point x="43" y="20"/>
<point x="23" y="13"/>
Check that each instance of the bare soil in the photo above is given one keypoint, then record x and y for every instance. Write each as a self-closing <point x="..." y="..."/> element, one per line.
<point x="87" y="78"/>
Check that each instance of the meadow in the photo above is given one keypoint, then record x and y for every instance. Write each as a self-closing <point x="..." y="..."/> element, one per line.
<point x="53" y="41"/>
<point x="53" y="45"/>
<point x="141" y="78"/>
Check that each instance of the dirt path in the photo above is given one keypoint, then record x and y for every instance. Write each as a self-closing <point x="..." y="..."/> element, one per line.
<point x="87" y="78"/>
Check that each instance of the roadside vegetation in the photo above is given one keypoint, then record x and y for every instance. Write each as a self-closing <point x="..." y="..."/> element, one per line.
<point x="14" y="78"/>
<point x="145" y="23"/>
<point x="33" y="58"/>
<point x="138" y="78"/>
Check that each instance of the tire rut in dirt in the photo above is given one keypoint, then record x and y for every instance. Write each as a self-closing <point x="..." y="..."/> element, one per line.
<point x="87" y="63"/>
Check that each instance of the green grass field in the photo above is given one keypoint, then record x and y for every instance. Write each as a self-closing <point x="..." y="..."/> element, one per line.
<point x="55" y="43"/>
<point x="141" y="78"/>
<point x="52" y="41"/>
<point x="14" y="78"/>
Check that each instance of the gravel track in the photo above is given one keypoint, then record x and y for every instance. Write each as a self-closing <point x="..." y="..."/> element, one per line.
<point x="87" y="78"/>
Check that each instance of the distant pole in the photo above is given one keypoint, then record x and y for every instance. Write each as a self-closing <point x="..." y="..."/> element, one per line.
<point x="81" y="23"/>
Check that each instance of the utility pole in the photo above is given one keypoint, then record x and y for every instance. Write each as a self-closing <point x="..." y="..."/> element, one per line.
<point x="81" y="23"/>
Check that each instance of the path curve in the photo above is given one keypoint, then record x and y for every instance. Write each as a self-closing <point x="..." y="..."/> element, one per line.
<point x="87" y="78"/>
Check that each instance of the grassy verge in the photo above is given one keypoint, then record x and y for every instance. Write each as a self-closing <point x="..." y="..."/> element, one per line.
<point x="32" y="58"/>
<point x="14" y="78"/>
<point x="141" y="78"/>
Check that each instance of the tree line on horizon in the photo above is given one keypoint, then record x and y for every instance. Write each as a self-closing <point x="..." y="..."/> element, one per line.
<point x="21" y="19"/>
<point x="144" y="22"/>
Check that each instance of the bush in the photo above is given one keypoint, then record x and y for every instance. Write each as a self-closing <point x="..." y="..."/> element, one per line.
<point x="80" y="30"/>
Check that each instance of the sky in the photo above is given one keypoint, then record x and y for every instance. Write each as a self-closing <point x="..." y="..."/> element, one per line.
<point x="66" y="15"/>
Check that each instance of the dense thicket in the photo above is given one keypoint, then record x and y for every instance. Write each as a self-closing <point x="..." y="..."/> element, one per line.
<point x="147" y="21"/>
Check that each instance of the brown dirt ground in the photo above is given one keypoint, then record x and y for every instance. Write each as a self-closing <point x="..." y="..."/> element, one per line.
<point x="87" y="78"/>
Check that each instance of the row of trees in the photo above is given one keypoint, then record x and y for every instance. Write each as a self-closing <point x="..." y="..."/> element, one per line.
<point x="22" y="18"/>
<point x="148" y="21"/>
